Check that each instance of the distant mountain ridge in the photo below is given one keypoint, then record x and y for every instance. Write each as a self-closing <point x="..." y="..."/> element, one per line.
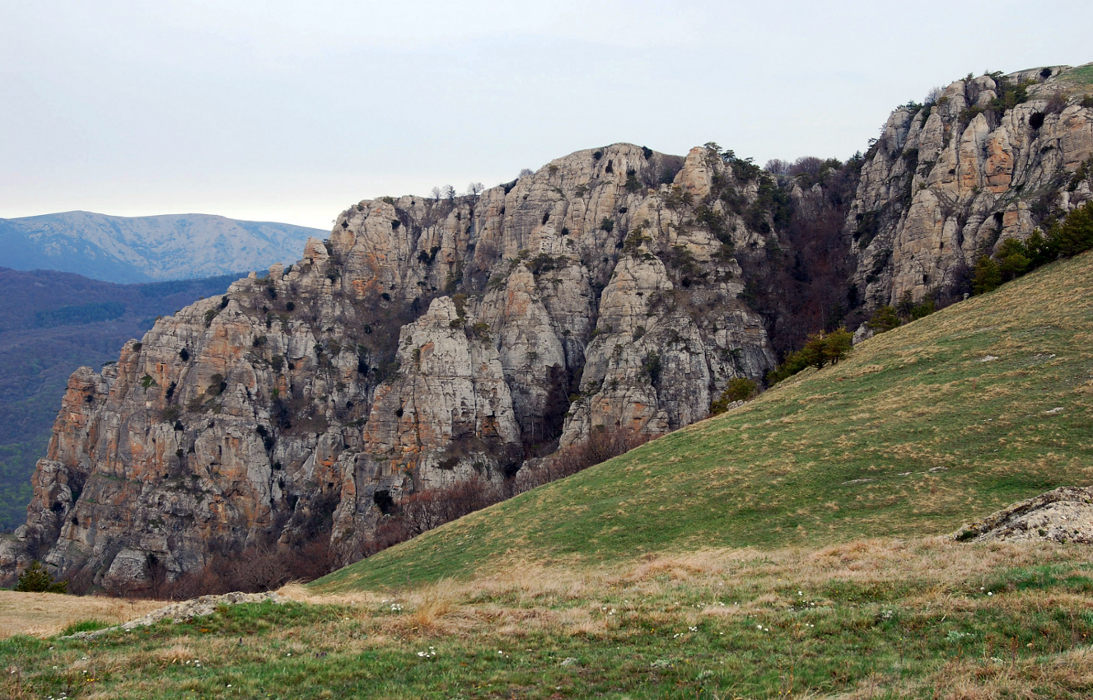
<point x="147" y="248"/>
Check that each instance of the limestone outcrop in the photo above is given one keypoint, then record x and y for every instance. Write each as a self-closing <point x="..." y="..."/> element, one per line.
<point x="989" y="158"/>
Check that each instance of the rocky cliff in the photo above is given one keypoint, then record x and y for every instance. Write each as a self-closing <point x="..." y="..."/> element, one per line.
<point x="424" y="343"/>
<point x="989" y="158"/>
<point x="430" y="342"/>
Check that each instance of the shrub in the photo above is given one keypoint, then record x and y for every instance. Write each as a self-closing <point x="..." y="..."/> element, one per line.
<point x="602" y="445"/>
<point x="544" y="262"/>
<point x="1013" y="259"/>
<point x="923" y="309"/>
<point x="739" y="389"/>
<point x="986" y="276"/>
<point x="35" y="579"/>
<point x="1081" y="174"/>
<point x="837" y="345"/>
<point x="480" y="330"/>
<point x="607" y="224"/>
<point x="650" y="366"/>
<point x="1075" y="233"/>
<point x="884" y="319"/>
<point x="819" y="350"/>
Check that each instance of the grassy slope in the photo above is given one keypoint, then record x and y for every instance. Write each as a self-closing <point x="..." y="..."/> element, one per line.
<point x="1082" y="76"/>
<point x="917" y="432"/>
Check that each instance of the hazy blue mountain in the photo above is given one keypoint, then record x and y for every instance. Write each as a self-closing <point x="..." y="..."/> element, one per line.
<point x="50" y="324"/>
<point x="147" y="248"/>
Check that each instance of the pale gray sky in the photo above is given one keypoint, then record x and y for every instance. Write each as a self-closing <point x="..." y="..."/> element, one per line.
<point x="291" y="111"/>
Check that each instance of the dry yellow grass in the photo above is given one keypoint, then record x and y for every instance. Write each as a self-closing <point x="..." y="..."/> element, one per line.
<point x="525" y="596"/>
<point x="43" y="614"/>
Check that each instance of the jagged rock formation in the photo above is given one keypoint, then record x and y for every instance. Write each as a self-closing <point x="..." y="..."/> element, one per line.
<point x="947" y="182"/>
<point x="424" y="343"/>
<point x="429" y="342"/>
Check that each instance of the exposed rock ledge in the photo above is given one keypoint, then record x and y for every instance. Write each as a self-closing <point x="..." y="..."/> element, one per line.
<point x="1062" y="515"/>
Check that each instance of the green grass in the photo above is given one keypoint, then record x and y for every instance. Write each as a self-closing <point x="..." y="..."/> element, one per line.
<point x="1082" y="75"/>
<point x="84" y="626"/>
<point x="919" y="431"/>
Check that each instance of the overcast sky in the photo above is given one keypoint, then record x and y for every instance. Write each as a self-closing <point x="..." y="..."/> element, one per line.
<point x="291" y="111"/>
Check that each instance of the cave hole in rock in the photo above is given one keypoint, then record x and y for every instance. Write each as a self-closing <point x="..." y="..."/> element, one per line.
<point x="384" y="502"/>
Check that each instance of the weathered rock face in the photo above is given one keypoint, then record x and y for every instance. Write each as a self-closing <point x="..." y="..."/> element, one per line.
<point x="425" y="343"/>
<point x="991" y="159"/>
<point x="1062" y="515"/>
<point x="432" y="342"/>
